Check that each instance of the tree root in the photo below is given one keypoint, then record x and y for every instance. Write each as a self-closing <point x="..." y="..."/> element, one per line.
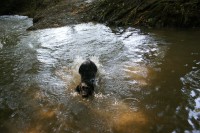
<point x="153" y="13"/>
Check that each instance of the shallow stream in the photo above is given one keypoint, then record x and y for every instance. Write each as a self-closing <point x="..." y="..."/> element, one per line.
<point x="148" y="80"/>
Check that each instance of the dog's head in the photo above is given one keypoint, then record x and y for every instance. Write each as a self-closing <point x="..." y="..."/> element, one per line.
<point x="85" y="90"/>
<point x="88" y="71"/>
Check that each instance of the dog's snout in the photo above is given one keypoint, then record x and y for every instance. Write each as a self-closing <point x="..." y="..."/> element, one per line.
<point x="92" y="81"/>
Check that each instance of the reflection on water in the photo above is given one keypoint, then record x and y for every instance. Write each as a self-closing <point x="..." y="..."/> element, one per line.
<point x="148" y="81"/>
<point x="191" y="88"/>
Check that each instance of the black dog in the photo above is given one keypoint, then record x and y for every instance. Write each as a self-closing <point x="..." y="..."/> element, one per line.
<point x="88" y="71"/>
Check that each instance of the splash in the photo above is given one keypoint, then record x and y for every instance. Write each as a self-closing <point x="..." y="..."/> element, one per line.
<point x="1" y="45"/>
<point x="71" y="77"/>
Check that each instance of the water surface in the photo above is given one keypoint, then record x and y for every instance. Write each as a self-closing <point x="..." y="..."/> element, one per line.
<point x="148" y="80"/>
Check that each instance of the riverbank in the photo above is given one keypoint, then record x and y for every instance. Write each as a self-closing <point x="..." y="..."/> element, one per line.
<point x="47" y="13"/>
<point x="61" y="14"/>
<point x="147" y="13"/>
<point x="153" y="13"/>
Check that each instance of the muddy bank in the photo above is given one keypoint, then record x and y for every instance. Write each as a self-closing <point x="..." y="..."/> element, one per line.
<point x="154" y="13"/>
<point x="148" y="13"/>
<point x="48" y="13"/>
<point x="63" y="13"/>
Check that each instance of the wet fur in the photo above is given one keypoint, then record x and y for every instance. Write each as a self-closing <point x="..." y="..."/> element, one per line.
<point x="88" y="71"/>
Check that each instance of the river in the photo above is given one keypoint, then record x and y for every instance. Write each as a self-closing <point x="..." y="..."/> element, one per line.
<point x="148" y="80"/>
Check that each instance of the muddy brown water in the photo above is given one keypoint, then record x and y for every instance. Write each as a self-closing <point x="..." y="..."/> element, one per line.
<point x="148" y="80"/>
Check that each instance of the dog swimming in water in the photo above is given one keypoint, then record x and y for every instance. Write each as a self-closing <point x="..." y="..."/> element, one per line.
<point x="88" y="71"/>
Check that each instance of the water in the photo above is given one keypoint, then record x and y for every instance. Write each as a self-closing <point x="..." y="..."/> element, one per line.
<point x="148" y="80"/>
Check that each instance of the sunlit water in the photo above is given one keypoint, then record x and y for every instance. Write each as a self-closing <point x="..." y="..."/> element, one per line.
<point x="147" y="81"/>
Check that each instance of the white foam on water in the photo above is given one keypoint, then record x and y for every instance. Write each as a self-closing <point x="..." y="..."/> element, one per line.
<point x="1" y="45"/>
